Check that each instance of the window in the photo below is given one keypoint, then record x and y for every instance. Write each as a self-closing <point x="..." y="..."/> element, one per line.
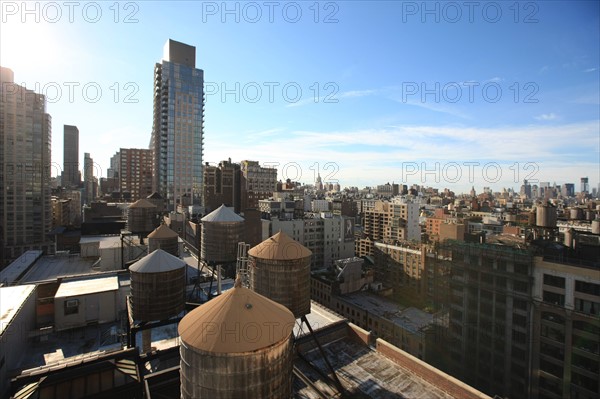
<point x="552" y="351"/>
<point x="588" y="307"/>
<point x="552" y="333"/>
<point x="521" y="268"/>
<point x="519" y="320"/>
<point x="553" y="298"/>
<point x="519" y="337"/>
<point x="555" y="318"/>
<point x="520" y="286"/>
<point x="587" y="288"/>
<point x="501" y="265"/>
<point x="520" y="304"/>
<point x="587" y="327"/>
<point x="551" y="368"/>
<point x="71" y="306"/>
<point x="554" y="281"/>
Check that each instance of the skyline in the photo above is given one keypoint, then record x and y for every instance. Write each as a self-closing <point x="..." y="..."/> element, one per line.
<point x="375" y="103"/>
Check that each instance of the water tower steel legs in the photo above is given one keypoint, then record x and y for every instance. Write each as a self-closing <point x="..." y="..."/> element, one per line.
<point x="335" y="377"/>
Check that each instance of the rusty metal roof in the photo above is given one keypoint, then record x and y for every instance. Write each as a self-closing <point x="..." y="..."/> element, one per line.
<point x="238" y="321"/>
<point x="280" y="247"/>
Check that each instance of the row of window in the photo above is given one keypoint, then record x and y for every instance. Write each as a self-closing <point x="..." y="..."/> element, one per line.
<point x="580" y="286"/>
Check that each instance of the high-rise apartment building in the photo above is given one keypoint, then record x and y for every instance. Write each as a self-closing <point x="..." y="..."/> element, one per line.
<point x="88" y="179"/>
<point x="258" y="183"/>
<point x="115" y="161"/>
<point x="490" y="317"/>
<point x="568" y="190"/>
<point x="328" y="237"/>
<point x="222" y="185"/>
<point x="566" y="327"/>
<point x="25" y="140"/>
<point x="71" y="177"/>
<point x="177" y="130"/>
<point x="390" y="223"/>
<point x="585" y="185"/>
<point x="135" y="172"/>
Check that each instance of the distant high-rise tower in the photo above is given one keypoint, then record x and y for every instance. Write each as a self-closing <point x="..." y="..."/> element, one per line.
<point x="70" y="174"/>
<point x="585" y="185"/>
<point x="177" y="130"/>
<point x="88" y="178"/>
<point x="25" y="139"/>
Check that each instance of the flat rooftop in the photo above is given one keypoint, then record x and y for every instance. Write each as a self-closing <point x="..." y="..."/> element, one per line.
<point x="11" y="300"/>
<point x="411" y="319"/>
<point x="88" y="286"/>
<point x="16" y="268"/>
<point x="52" y="267"/>
<point x="105" y="241"/>
<point x="379" y="371"/>
<point x="319" y="317"/>
<point x="364" y="373"/>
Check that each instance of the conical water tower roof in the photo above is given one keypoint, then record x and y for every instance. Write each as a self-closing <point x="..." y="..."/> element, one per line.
<point x="142" y="203"/>
<point x="238" y="321"/>
<point x="222" y="214"/>
<point x="156" y="262"/>
<point x="280" y="247"/>
<point x="163" y="231"/>
<point x="154" y="195"/>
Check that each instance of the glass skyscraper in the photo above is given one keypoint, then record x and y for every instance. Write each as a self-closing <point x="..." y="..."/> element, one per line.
<point x="177" y="131"/>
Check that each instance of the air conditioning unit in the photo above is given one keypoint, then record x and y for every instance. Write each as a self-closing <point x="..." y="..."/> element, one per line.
<point x="72" y="303"/>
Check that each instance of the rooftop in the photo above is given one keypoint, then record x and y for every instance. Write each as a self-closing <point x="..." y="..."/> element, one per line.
<point x="52" y="267"/>
<point x="377" y="371"/>
<point x="365" y="373"/>
<point x="105" y="241"/>
<point x="88" y="286"/>
<point x="411" y="319"/>
<point x="11" y="300"/>
<point x="12" y="272"/>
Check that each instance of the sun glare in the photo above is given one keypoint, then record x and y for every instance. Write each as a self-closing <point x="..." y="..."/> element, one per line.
<point x="28" y="48"/>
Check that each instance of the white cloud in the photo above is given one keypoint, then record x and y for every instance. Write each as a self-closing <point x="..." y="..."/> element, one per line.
<point x="546" y="117"/>
<point x="370" y="156"/>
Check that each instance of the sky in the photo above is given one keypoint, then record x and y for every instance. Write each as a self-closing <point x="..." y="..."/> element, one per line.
<point x="442" y="94"/>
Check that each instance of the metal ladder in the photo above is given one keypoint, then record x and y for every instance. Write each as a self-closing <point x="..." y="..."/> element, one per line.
<point x="241" y="267"/>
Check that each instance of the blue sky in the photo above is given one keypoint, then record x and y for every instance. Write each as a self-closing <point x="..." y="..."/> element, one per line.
<point x="448" y="96"/>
